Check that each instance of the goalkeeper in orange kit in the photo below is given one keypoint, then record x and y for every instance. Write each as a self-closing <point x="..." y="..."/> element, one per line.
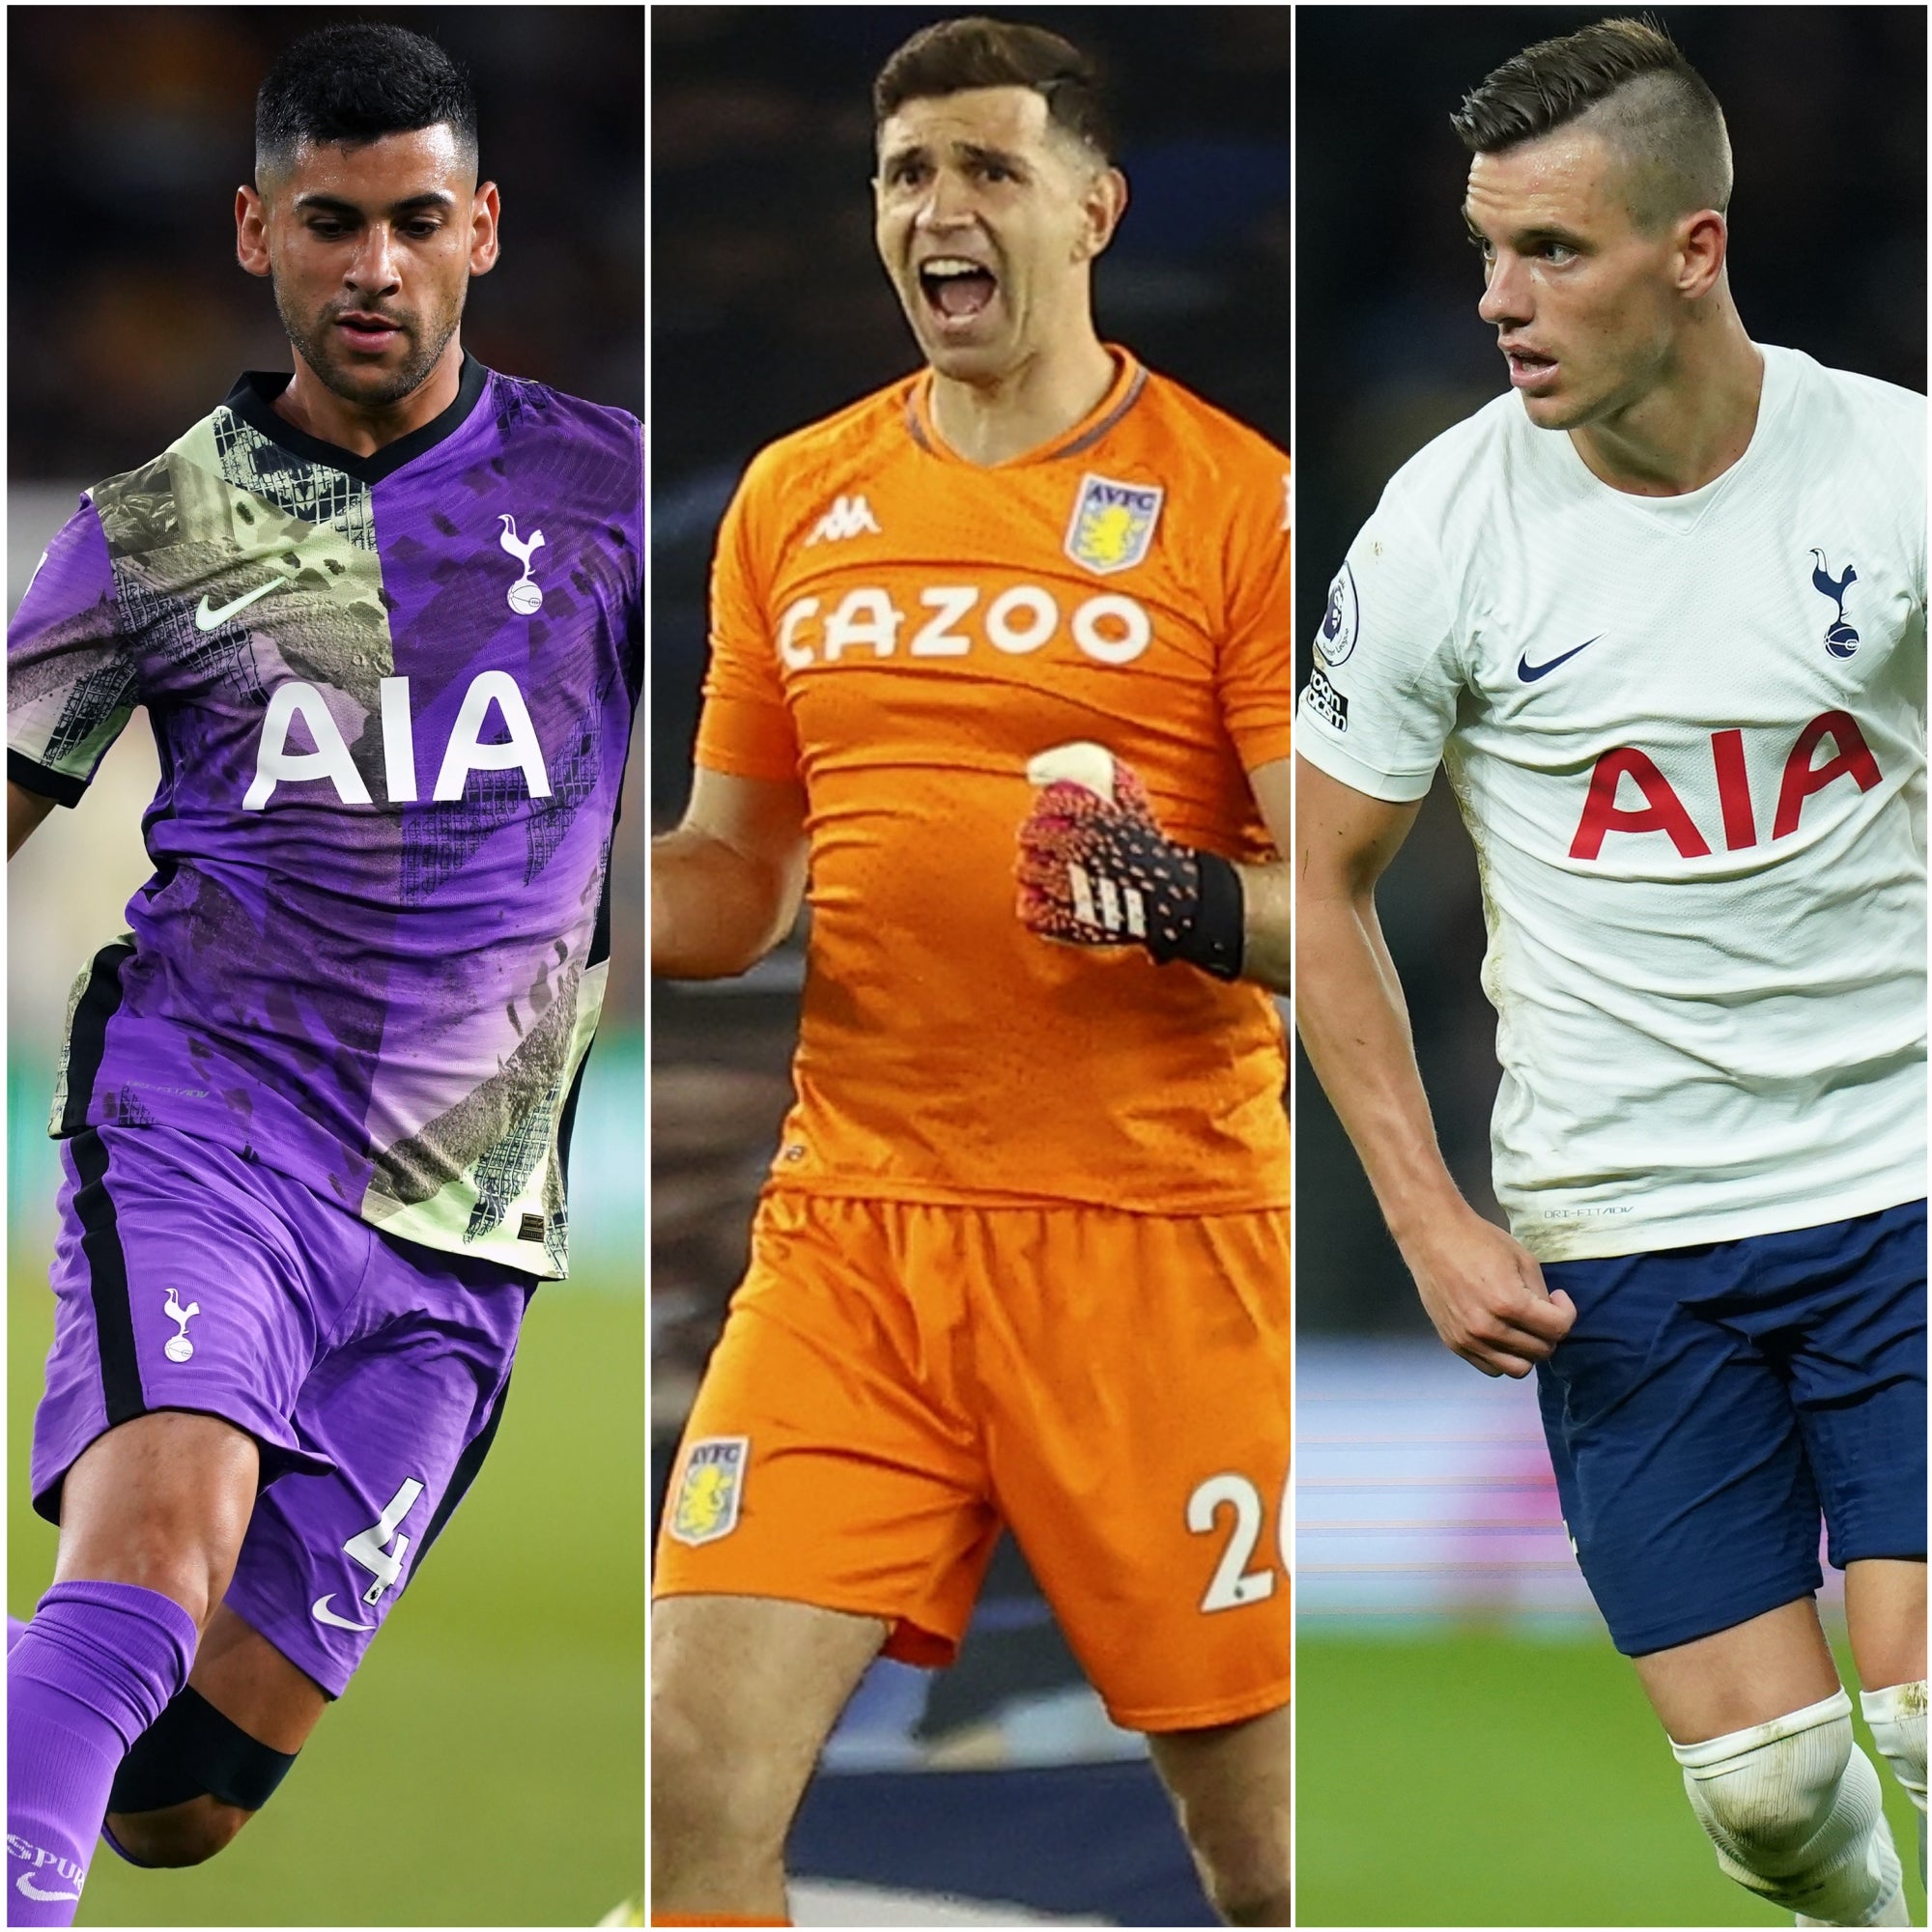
<point x="1023" y="1258"/>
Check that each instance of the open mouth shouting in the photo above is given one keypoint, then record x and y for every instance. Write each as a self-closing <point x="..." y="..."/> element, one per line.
<point x="957" y="290"/>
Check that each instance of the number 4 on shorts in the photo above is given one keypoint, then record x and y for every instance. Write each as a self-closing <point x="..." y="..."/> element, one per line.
<point x="1233" y="1584"/>
<point x="370" y="1547"/>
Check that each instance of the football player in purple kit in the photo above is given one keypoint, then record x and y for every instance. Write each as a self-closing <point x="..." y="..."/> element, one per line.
<point x="314" y="1106"/>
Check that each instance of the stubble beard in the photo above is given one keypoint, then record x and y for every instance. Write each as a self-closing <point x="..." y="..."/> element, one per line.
<point x="315" y="342"/>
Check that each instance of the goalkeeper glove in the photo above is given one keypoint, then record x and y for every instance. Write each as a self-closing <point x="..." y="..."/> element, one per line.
<point x="1095" y="869"/>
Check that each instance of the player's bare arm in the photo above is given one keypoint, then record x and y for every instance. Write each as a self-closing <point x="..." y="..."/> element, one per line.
<point x="1268" y="948"/>
<point x="725" y="885"/>
<point x="24" y="811"/>
<point x="1482" y="1290"/>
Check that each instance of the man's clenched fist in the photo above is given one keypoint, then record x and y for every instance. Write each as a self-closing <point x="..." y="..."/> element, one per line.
<point x="1095" y="869"/>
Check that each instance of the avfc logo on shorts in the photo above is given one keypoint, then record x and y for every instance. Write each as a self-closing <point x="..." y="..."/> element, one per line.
<point x="1113" y="523"/>
<point x="711" y="1491"/>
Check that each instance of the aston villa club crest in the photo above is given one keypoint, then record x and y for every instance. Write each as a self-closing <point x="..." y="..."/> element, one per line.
<point x="1113" y="524"/>
<point x="711" y="1490"/>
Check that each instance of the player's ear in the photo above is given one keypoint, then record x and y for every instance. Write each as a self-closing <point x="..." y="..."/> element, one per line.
<point x="1700" y="252"/>
<point x="486" y="212"/>
<point x="251" y="231"/>
<point x="1104" y="203"/>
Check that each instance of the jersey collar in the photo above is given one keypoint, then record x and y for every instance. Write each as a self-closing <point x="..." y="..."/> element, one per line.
<point x="253" y="399"/>
<point x="1129" y="379"/>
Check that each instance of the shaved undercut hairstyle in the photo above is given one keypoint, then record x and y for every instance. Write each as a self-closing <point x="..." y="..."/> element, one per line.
<point x="346" y="85"/>
<point x="1626" y="81"/>
<point x="955" y="55"/>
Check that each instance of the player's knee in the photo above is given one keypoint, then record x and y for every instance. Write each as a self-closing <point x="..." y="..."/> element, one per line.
<point x="1242" y="1900"/>
<point x="1764" y="1793"/>
<point x="188" y="1833"/>
<point x="1896" y="1716"/>
<point x="1793" y="1809"/>
<point x="189" y="1782"/>
<point x="1243" y="1868"/>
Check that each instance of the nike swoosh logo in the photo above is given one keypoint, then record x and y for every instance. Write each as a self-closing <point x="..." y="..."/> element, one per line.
<point x="206" y="620"/>
<point x="323" y="1615"/>
<point x="29" y="1890"/>
<point x="1530" y="672"/>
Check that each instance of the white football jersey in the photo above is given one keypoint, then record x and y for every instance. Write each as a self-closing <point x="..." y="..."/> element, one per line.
<point x="1687" y="736"/>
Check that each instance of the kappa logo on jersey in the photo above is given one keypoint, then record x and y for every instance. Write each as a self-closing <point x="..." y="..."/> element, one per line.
<point x="1113" y="523"/>
<point x="302" y="707"/>
<point x="848" y="517"/>
<point x="1840" y="640"/>
<point x="1324" y="700"/>
<point x="178" y="1347"/>
<point x="711" y="1490"/>
<point x="524" y="596"/>
<point x="1342" y="621"/>
<point x="1110" y="628"/>
<point x="1664" y="811"/>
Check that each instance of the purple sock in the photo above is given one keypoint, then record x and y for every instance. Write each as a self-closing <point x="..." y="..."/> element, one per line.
<point x="15" y="1630"/>
<point x="86" y="1678"/>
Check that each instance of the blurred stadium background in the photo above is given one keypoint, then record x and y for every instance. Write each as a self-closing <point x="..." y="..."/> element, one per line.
<point x="1443" y="1628"/>
<point x="770" y="310"/>
<point x="487" y="1766"/>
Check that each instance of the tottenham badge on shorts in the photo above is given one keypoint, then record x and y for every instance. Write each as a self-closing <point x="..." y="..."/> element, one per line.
<point x="1113" y="523"/>
<point x="711" y="1490"/>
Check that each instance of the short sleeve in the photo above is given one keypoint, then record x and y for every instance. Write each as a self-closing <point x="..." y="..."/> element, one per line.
<point x="1380" y="702"/>
<point x="1255" y="672"/>
<point x="745" y="729"/>
<point x="72" y="680"/>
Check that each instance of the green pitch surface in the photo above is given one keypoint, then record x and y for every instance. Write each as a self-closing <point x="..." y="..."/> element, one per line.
<point x="1478" y="1779"/>
<point x="486" y="1767"/>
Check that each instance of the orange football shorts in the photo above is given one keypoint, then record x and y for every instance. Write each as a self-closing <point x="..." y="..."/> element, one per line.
<point x="898" y="1379"/>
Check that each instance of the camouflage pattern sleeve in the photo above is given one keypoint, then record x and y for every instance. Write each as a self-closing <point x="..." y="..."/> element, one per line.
<point x="71" y="678"/>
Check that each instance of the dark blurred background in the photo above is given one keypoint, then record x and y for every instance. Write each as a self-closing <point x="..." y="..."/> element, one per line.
<point x="770" y="310"/>
<point x="1826" y="107"/>
<point x="503" y="1707"/>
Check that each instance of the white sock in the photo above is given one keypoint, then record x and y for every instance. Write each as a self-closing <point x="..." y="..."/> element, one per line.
<point x="1793" y="1809"/>
<point x="1896" y="1716"/>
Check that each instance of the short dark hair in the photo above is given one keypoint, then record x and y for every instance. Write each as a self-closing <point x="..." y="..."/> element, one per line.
<point x="1641" y="95"/>
<point x="348" y="84"/>
<point x="952" y="55"/>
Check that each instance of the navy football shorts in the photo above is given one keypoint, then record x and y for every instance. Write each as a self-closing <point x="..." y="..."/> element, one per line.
<point x="1710" y="1401"/>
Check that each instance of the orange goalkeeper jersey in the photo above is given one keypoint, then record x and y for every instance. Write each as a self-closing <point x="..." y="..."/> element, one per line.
<point x="901" y="630"/>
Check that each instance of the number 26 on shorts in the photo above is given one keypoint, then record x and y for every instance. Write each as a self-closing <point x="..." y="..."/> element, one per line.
<point x="1233" y="1584"/>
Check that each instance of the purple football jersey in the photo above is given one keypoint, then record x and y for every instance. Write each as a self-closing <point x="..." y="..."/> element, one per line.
<point x="392" y="696"/>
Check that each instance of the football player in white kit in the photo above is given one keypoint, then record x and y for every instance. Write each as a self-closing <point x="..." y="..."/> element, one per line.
<point x="1661" y="615"/>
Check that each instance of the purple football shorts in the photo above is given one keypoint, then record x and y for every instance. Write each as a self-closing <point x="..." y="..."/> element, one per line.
<point x="371" y="1371"/>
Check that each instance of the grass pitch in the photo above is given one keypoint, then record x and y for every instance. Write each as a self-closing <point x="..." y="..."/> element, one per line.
<point x="487" y="1765"/>
<point x="1489" y="1779"/>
